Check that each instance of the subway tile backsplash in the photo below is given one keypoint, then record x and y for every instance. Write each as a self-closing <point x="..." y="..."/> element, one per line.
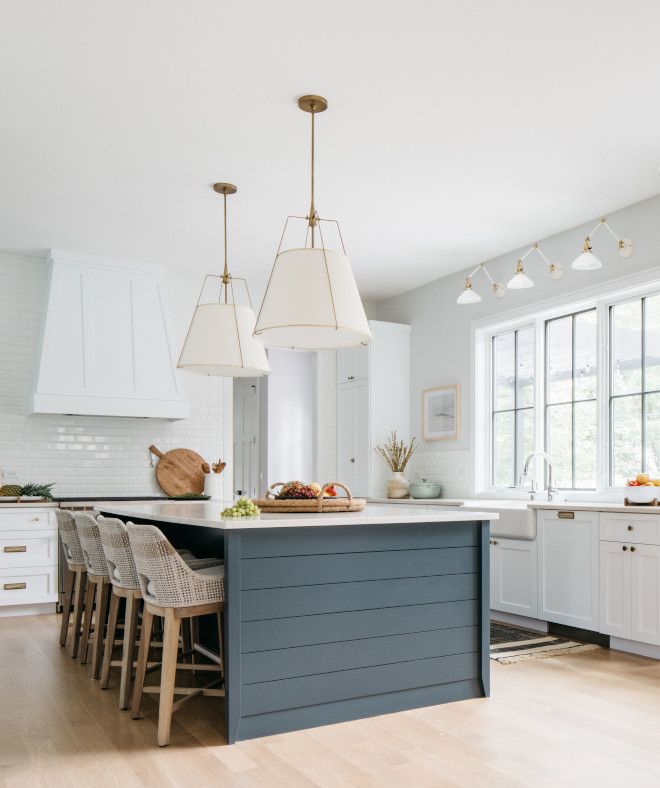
<point x="450" y="468"/>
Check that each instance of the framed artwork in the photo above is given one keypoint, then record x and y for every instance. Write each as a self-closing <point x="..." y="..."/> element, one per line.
<point x="441" y="413"/>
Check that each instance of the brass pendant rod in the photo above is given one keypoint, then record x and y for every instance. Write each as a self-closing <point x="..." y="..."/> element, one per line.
<point x="225" y="273"/>
<point x="312" y="209"/>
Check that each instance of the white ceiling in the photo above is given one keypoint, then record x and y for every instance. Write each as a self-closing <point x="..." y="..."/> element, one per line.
<point x="456" y="130"/>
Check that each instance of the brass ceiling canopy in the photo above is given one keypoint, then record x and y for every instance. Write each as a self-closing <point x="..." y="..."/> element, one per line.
<point x="224" y="188"/>
<point x="313" y="104"/>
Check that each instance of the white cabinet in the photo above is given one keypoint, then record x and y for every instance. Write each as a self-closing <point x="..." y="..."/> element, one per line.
<point x="352" y="364"/>
<point x="614" y="589"/>
<point x="28" y="560"/>
<point x="645" y="596"/>
<point x="373" y="398"/>
<point x="513" y="576"/>
<point x="630" y="591"/>
<point x="569" y="568"/>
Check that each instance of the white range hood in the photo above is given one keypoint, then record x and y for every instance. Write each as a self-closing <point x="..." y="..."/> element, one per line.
<point x="106" y="349"/>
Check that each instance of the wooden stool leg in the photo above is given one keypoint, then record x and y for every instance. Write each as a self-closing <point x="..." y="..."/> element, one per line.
<point x="168" y="677"/>
<point x="143" y="658"/>
<point x="78" y="596"/>
<point x="109" y="640"/>
<point x="66" y="605"/>
<point x="130" y="627"/>
<point x="99" y="628"/>
<point x="90" y="593"/>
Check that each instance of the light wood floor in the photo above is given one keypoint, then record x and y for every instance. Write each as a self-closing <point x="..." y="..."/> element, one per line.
<point x="588" y="720"/>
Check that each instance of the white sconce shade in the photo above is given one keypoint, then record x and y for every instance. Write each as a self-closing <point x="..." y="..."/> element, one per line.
<point x="312" y="303"/>
<point x="220" y="342"/>
<point x="586" y="260"/>
<point x="520" y="280"/>
<point x="468" y="296"/>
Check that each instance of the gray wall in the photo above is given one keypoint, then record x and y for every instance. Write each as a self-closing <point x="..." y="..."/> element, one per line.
<point x="441" y="328"/>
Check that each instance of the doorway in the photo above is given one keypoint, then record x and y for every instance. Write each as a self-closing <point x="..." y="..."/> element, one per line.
<point x="247" y="480"/>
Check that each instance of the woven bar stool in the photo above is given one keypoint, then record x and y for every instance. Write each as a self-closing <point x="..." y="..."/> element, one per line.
<point x="174" y="591"/>
<point x="125" y="585"/>
<point x="74" y="582"/>
<point x="98" y="591"/>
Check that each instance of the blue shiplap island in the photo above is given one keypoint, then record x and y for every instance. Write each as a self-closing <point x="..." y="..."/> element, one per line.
<point x="333" y="617"/>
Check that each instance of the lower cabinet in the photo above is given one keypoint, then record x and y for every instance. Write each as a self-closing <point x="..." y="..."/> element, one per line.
<point x="513" y="576"/>
<point x="630" y="591"/>
<point x="568" y="544"/>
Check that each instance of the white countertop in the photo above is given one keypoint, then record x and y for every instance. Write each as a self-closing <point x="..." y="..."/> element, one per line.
<point x="28" y="505"/>
<point x="207" y="514"/>
<point x="470" y="504"/>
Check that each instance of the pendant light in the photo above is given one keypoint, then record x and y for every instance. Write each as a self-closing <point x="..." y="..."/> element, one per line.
<point x="520" y="280"/>
<point x="312" y="301"/>
<point x="220" y="339"/>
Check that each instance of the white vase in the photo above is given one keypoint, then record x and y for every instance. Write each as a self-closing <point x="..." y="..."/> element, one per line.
<point x="397" y="486"/>
<point x="213" y="486"/>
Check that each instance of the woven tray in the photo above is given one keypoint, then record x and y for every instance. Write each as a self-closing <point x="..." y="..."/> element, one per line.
<point x="307" y="505"/>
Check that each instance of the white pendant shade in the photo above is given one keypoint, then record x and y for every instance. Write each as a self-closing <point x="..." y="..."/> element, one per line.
<point x="312" y="303"/>
<point x="221" y="342"/>
<point x="468" y="296"/>
<point x="587" y="262"/>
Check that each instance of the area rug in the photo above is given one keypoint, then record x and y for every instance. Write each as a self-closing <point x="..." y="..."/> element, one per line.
<point x="510" y="644"/>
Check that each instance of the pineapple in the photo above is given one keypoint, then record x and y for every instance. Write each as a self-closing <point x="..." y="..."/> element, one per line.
<point x="10" y="490"/>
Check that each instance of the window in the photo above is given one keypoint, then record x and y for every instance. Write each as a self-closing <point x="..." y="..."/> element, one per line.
<point x="634" y="399"/>
<point x="580" y="382"/>
<point x="570" y="399"/>
<point x="513" y="404"/>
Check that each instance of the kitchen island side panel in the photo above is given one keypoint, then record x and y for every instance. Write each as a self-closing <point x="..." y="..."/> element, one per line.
<point x="352" y="621"/>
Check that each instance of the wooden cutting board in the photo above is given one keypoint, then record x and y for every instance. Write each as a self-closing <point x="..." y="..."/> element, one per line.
<point x="179" y="471"/>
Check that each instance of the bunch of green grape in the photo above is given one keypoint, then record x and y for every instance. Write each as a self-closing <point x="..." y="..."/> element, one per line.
<point x="242" y="508"/>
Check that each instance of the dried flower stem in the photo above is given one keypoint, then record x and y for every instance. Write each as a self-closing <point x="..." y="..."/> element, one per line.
<point x="395" y="452"/>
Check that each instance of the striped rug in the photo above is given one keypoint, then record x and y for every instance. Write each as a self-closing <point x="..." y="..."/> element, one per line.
<point x="510" y="644"/>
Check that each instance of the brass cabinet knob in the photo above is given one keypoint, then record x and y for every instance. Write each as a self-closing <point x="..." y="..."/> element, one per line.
<point x="632" y="549"/>
<point x="624" y="548"/>
<point x="631" y="527"/>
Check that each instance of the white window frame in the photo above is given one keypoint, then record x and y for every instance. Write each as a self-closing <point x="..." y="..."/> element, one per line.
<point x="481" y="333"/>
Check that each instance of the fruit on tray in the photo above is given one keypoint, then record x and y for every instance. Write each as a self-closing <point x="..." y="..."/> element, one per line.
<point x="31" y="489"/>
<point x="296" y="491"/>
<point x="643" y="480"/>
<point x="242" y="508"/>
<point x="330" y="492"/>
<point x="316" y="487"/>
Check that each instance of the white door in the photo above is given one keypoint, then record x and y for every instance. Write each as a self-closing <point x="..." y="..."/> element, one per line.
<point x="615" y="589"/>
<point x="517" y="582"/>
<point x="645" y="578"/>
<point x="353" y="436"/>
<point x="346" y="438"/>
<point x="352" y="364"/>
<point x="246" y="438"/>
<point x="568" y="568"/>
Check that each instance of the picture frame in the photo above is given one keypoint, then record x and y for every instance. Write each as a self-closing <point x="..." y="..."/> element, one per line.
<point x="441" y="413"/>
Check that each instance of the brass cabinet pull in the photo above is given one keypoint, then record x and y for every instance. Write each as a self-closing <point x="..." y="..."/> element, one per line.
<point x="14" y="586"/>
<point x="15" y="548"/>
<point x="632" y="549"/>
<point x="624" y="548"/>
<point x="566" y="515"/>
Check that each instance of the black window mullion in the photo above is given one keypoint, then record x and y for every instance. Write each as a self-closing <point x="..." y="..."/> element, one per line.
<point x="643" y="364"/>
<point x="573" y="401"/>
<point x="515" y="406"/>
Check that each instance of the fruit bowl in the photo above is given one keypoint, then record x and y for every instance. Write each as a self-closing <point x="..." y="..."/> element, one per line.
<point x="642" y="493"/>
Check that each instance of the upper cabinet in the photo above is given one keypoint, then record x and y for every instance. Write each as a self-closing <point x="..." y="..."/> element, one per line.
<point x="353" y="364"/>
<point x="106" y="349"/>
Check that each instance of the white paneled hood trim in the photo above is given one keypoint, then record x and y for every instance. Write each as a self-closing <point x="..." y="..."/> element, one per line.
<point x="106" y="348"/>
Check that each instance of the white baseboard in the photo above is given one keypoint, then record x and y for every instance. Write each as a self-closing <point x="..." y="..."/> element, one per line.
<point x="535" y="624"/>
<point x="28" y="610"/>
<point x="634" y="647"/>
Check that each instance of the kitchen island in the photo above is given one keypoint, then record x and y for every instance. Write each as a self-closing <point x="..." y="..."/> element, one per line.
<point x="332" y="617"/>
